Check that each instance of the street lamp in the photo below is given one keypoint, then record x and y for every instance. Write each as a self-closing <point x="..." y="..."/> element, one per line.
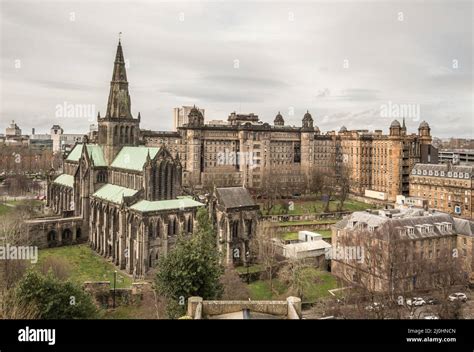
<point x="115" y="283"/>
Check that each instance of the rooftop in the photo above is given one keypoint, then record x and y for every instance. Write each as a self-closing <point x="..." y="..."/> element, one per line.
<point x="65" y="180"/>
<point x="114" y="193"/>
<point x="133" y="158"/>
<point x="234" y="197"/>
<point x="180" y="203"/>
<point x="95" y="152"/>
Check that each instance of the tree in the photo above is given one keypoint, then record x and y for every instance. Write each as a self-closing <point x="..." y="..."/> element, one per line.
<point x="343" y="186"/>
<point x="264" y="249"/>
<point x="297" y="276"/>
<point x="55" y="299"/>
<point x="192" y="268"/>
<point x="234" y="288"/>
<point x="329" y="188"/>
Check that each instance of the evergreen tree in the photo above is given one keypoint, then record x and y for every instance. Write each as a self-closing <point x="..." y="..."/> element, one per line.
<point x="192" y="268"/>
<point x="53" y="298"/>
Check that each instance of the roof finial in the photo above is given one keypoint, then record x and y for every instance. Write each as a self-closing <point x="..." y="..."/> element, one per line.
<point x="120" y="36"/>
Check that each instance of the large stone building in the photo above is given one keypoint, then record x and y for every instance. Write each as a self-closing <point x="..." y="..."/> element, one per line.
<point x="401" y="250"/>
<point x="124" y="196"/>
<point x="447" y="187"/>
<point x="246" y="151"/>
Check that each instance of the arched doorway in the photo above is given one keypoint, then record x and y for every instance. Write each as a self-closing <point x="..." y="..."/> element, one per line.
<point x="67" y="236"/>
<point x="52" y="238"/>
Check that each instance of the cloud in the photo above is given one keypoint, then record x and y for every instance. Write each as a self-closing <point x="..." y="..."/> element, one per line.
<point x="290" y="55"/>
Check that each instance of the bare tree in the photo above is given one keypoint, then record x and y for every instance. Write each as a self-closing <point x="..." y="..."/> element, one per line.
<point x="264" y="250"/>
<point x="234" y="288"/>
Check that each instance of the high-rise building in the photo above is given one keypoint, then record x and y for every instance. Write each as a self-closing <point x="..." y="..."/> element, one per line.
<point x="180" y="116"/>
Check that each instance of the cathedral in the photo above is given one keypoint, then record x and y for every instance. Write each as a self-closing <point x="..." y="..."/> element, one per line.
<point x="123" y="196"/>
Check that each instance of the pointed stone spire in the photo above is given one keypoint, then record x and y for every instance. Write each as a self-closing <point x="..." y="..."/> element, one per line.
<point x="148" y="156"/>
<point x="98" y="115"/>
<point x="119" y="105"/>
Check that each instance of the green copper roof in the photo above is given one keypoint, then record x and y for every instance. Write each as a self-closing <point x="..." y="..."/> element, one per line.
<point x="65" y="180"/>
<point x="95" y="152"/>
<point x="114" y="193"/>
<point x="133" y="158"/>
<point x="146" y="205"/>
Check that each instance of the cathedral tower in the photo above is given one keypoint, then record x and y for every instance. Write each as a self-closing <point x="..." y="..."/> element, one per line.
<point x="118" y="127"/>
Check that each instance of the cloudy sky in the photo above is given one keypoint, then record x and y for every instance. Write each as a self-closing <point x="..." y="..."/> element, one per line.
<point x="349" y="63"/>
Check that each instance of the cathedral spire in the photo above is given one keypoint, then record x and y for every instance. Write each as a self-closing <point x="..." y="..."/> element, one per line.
<point x="119" y="103"/>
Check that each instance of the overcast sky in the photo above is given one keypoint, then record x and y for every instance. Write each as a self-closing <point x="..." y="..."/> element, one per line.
<point x="345" y="62"/>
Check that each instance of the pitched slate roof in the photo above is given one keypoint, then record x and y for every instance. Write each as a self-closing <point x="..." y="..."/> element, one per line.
<point x="464" y="227"/>
<point x="234" y="197"/>
<point x="95" y="152"/>
<point x="133" y="158"/>
<point x="114" y="193"/>
<point x="65" y="180"/>
<point x="146" y="205"/>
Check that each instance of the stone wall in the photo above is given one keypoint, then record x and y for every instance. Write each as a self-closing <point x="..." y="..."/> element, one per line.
<point x="199" y="308"/>
<point x="103" y="293"/>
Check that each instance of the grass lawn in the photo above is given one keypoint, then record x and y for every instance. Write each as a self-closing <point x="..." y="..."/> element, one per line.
<point x="8" y="206"/>
<point x="86" y="265"/>
<point x="260" y="290"/>
<point x="4" y="209"/>
<point x="318" y="284"/>
<point x="255" y="268"/>
<point x="316" y="206"/>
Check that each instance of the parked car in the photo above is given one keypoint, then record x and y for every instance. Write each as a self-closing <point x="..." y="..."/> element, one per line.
<point x="416" y="301"/>
<point x="431" y="301"/>
<point x="458" y="296"/>
<point x="375" y="306"/>
<point x="431" y="317"/>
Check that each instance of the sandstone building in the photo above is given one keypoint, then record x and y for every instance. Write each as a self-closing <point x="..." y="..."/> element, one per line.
<point x="246" y="152"/>
<point x="448" y="188"/>
<point x="401" y="250"/>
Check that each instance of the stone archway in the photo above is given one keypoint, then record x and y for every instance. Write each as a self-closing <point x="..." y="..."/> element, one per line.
<point x="66" y="236"/>
<point x="52" y="238"/>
